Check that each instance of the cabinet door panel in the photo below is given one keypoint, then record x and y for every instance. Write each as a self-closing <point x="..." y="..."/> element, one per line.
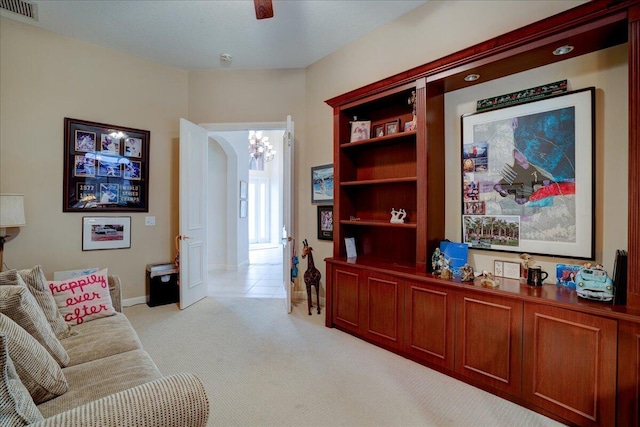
<point x="346" y="304"/>
<point x="430" y="323"/>
<point x="489" y="341"/>
<point x="628" y="374"/>
<point x="570" y="361"/>
<point x="382" y="302"/>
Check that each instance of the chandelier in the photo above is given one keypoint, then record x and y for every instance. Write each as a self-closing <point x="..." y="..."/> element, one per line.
<point x="259" y="147"/>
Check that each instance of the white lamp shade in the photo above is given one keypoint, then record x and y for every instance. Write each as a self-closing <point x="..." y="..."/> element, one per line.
<point x="12" y="210"/>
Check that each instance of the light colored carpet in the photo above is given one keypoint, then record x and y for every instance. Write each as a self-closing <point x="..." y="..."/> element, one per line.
<point x="263" y="367"/>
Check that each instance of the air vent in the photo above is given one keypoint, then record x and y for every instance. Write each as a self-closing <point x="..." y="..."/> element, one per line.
<point x="21" y="7"/>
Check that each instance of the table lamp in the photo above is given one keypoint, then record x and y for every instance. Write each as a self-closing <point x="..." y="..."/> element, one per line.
<point x="11" y="215"/>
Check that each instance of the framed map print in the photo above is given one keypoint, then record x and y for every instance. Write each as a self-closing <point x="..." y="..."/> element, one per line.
<point x="527" y="177"/>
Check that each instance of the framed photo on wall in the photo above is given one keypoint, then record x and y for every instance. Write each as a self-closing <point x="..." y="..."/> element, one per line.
<point x="325" y="222"/>
<point x="106" y="168"/>
<point x="113" y="232"/>
<point x="322" y="184"/>
<point x="528" y="177"/>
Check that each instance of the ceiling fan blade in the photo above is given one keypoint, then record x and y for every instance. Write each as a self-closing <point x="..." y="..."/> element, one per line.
<point x="264" y="9"/>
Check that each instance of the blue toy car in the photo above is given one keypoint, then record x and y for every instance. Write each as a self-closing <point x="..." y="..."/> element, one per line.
<point x="594" y="284"/>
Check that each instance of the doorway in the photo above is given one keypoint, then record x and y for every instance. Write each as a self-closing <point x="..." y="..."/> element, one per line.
<point x="245" y="252"/>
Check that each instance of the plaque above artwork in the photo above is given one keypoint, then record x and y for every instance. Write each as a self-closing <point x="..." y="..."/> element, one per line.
<point x="106" y="168"/>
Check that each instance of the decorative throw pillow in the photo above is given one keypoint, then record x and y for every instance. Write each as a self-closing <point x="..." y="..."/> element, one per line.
<point x="16" y="406"/>
<point x="37" y="283"/>
<point x="83" y="298"/>
<point x="39" y="373"/>
<point x="17" y="303"/>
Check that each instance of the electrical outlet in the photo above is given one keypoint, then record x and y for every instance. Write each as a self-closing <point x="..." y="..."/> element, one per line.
<point x="150" y="220"/>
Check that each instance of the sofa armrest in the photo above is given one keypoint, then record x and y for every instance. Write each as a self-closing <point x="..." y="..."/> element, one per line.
<point x="116" y="292"/>
<point x="175" y="401"/>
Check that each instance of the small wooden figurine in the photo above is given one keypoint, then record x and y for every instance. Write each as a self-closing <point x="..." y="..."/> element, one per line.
<point x="311" y="276"/>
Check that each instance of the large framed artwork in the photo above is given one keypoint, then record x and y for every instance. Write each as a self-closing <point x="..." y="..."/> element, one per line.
<point x="528" y="177"/>
<point x="106" y="168"/>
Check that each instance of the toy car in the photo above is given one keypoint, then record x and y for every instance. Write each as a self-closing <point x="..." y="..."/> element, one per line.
<point x="594" y="284"/>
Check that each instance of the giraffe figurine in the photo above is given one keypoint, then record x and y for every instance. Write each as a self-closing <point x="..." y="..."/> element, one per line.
<point x="311" y="276"/>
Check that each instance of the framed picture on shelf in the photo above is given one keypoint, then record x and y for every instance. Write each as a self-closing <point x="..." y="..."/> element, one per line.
<point x="106" y="168"/>
<point x="393" y="127"/>
<point x="322" y="184"/>
<point x="325" y="222"/>
<point x="378" y="131"/>
<point x="112" y="232"/>
<point x="360" y="130"/>
<point x="528" y="178"/>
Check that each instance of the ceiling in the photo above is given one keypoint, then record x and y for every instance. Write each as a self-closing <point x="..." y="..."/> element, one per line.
<point x="191" y="35"/>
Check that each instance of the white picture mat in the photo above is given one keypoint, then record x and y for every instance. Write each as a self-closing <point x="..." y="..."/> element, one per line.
<point x="97" y="234"/>
<point x="582" y="247"/>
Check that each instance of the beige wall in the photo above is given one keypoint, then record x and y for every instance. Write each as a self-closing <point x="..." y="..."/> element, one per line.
<point x="45" y="77"/>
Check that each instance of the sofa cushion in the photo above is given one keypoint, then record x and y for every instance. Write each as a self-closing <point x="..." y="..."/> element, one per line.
<point x="39" y="372"/>
<point x="84" y="298"/>
<point x="17" y="303"/>
<point x="101" y="338"/>
<point x="37" y="283"/>
<point x="16" y="406"/>
<point x="99" y="378"/>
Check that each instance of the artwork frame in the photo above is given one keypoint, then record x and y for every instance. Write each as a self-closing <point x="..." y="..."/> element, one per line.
<point x="106" y="168"/>
<point x="391" y="128"/>
<point x="360" y="130"/>
<point x="244" y="189"/>
<point x="111" y="232"/>
<point x="378" y="131"/>
<point x="531" y="166"/>
<point x="244" y="207"/>
<point x="325" y="222"/>
<point x="322" y="184"/>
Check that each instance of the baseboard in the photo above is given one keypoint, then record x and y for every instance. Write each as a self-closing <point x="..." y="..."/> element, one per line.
<point x="134" y="301"/>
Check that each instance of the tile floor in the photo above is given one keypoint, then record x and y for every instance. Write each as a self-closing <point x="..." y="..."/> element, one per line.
<point x="262" y="278"/>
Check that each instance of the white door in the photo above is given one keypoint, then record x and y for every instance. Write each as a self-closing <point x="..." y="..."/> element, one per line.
<point x="193" y="213"/>
<point x="288" y="202"/>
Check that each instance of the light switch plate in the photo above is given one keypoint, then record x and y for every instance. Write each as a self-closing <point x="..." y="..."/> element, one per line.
<point x="150" y="220"/>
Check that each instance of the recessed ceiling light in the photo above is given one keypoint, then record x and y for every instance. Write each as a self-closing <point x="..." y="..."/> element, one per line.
<point x="563" y="50"/>
<point x="472" y="77"/>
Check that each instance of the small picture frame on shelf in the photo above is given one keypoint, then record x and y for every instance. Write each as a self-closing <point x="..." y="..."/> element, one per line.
<point x="507" y="269"/>
<point x="409" y="126"/>
<point x="378" y="131"/>
<point x="393" y="127"/>
<point x="360" y="130"/>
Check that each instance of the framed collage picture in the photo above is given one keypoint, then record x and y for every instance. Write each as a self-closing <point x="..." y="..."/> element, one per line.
<point x="528" y="177"/>
<point x="106" y="168"/>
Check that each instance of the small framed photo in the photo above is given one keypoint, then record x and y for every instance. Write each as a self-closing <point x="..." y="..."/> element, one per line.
<point x="409" y="126"/>
<point x="322" y="184"/>
<point x="378" y="131"/>
<point x="507" y="269"/>
<point x="243" y="208"/>
<point x="325" y="222"/>
<point x="360" y="130"/>
<point x="113" y="232"/>
<point x="244" y="192"/>
<point x="391" y="128"/>
<point x="498" y="268"/>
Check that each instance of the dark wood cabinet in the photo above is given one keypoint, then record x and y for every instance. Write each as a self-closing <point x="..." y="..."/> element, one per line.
<point x="489" y="340"/>
<point x="542" y="347"/>
<point x="570" y="364"/>
<point x="429" y="323"/>
<point x="628" y="373"/>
